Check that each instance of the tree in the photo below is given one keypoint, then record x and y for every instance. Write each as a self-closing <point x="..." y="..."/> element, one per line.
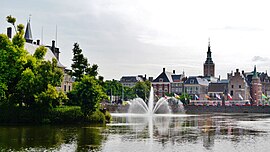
<point x="89" y="93"/>
<point x="185" y="98"/>
<point x="25" y="77"/>
<point x="80" y="65"/>
<point x="142" y="89"/>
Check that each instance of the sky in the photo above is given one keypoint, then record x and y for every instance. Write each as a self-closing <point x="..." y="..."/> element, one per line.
<point x="138" y="37"/>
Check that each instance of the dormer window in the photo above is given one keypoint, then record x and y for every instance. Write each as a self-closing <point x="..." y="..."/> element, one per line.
<point x="192" y="81"/>
<point x="160" y="80"/>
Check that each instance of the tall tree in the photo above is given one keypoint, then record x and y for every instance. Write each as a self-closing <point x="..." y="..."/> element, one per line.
<point x="79" y="64"/>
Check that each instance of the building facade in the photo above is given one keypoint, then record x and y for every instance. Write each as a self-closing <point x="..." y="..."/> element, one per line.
<point x="168" y="83"/>
<point x="256" y="87"/>
<point x="130" y="81"/>
<point x="196" y="86"/>
<point x="238" y="86"/>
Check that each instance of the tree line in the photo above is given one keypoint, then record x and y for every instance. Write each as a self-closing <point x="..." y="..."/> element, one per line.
<point x="28" y="85"/>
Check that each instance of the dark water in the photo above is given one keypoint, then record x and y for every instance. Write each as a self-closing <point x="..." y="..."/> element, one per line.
<point x="215" y="132"/>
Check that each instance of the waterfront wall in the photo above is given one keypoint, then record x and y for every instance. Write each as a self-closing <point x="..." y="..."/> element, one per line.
<point x="191" y="109"/>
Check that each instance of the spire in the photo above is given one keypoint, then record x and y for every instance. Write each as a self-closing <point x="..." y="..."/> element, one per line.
<point x="28" y="33"/>
<point x="255" y="74"/>
<point x="209" y="58"/>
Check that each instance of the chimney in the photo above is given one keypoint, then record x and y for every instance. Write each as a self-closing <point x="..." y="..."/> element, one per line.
<point x="53" y="45"/>
<point x="173" y="71"/>
<point x="9" y="32"/>
<point x="163" y="69"/>
<point x="38" y="42"/>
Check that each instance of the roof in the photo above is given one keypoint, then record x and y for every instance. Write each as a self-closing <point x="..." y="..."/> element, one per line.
<point x="197" y="80"/>
<point x="28" y="32"/>
<point x="217" y="87"/>
<point x="31" y="48"/>
<point x="169" y="77"/>
<point x="130" y="79"/>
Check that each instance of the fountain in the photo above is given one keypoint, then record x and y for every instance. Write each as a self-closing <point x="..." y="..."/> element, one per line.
<point x="151" y="116"/>
<point x="138" y="106"/>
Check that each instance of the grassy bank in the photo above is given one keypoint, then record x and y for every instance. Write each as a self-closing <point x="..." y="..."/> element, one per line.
<point x="59" y="115"/>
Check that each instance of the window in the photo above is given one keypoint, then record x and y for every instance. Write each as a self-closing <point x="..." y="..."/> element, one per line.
<point x="69" y="88"/>
<point x="232" y="86"/>
<point x="191" y="81"/>
<point x="65" y="88"/>
<point x="160" y="80"/>
<point x="231" y="93"/>
<point x="239" y="86"/>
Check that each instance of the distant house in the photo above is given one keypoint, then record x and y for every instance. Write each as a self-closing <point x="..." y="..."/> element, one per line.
<point x="167" y="83"/>
<point x="238" y="86"/>
<point x="130" y="81"/>
<point x="196" y="86"/>
<point x="216" y="90"/>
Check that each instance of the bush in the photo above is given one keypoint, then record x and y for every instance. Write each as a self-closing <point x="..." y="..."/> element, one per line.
<point x="66" y="114"/>
<point x="96" y="117"/>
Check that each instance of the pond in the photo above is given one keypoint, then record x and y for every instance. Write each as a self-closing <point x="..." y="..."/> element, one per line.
<point x="209" y="132"/>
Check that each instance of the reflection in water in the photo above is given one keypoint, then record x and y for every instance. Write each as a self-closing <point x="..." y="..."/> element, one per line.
<point x="53" y="138"/>
<point x="230" y="132"/>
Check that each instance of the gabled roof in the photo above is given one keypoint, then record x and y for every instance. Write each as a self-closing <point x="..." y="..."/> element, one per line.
<point x="31" y="48"/>
<point x="169" y="77"/>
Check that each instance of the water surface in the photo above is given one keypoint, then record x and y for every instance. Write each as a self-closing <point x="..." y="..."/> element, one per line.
<point x="213" y="132"/>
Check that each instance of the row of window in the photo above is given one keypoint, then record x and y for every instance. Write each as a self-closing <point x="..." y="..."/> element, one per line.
<point x="65" y="88"/>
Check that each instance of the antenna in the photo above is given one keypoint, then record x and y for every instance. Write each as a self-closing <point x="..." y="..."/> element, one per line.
<point x="42" y="35"/>
<point x="56" y="36"/>
<point x="29" y="17"/>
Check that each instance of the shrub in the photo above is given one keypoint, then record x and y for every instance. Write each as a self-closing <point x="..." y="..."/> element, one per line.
<point x="66" y="114"/>
<point x="96" y="117"/>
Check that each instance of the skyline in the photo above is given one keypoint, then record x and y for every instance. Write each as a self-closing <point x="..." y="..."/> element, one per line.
<point x="141" y="37"/>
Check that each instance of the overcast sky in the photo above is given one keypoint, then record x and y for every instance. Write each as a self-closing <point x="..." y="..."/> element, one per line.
<point x="132" y="37"/>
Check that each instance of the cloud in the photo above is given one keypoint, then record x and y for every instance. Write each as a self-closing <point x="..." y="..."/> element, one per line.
<point x="238" y="28"/>
<point x="260" y="59"/>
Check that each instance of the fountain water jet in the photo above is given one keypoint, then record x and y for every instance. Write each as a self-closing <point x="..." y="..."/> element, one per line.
<point x="138" y="106"/>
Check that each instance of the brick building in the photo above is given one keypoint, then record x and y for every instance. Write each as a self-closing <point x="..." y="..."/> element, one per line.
<point x="168" y="82"/>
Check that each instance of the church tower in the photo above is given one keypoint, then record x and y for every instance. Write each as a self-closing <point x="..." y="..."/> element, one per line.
<point x="256" y="87"/>
<point x="209" y="66"/>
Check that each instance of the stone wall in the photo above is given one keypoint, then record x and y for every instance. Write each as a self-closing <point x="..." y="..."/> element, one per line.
<point x="227" y="109"/>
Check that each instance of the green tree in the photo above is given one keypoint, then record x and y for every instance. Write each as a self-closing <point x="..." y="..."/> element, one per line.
<point x="185" y="98"/>
<point x="89" y="93"/>
<point x="50" y="98"/>
<point x="80" y="65"/>
<point x="142" y="89"/>
<point x="23" y="76"/>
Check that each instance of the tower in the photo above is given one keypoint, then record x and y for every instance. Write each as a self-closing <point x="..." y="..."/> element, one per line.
<point x="209" y="66"/>
<point x="256" y="87"/>
<point x="28" y="33"/>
